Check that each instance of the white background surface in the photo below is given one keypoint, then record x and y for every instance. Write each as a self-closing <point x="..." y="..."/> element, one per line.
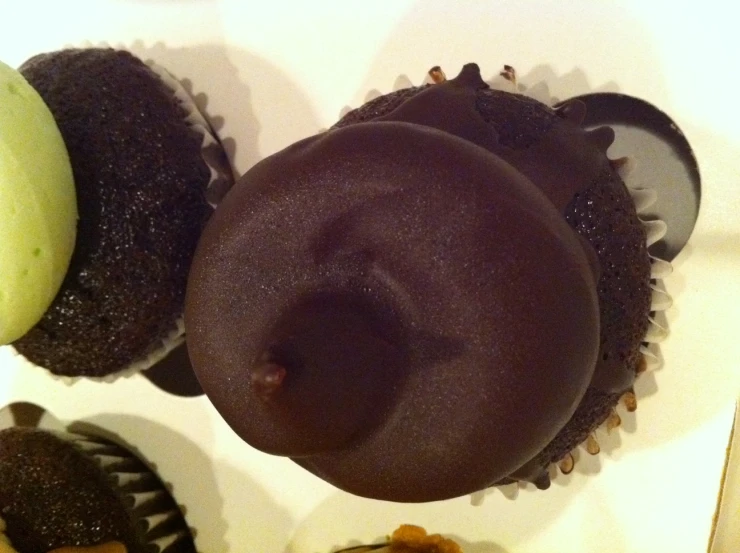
<point x="277" y="71"/>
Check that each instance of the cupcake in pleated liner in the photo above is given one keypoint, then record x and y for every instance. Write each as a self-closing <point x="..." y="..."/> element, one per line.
<point x="454" y="293"/>
<point x="408" y="538"/>
<point x="148" y="170"/>
<point x="538" y="140"/>
<point x="63" y="490"/>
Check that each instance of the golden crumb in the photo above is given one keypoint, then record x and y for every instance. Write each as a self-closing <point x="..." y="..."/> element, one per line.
<point x="414" y="539"/>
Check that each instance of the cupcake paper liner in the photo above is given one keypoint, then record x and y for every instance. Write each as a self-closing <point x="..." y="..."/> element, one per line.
<point x="149" y="503"/>
<point x="151" y="508"/>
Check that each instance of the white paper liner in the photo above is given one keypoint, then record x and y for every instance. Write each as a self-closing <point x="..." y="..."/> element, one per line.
<point x="221" y="180"/>
<point x="222" y="177"/>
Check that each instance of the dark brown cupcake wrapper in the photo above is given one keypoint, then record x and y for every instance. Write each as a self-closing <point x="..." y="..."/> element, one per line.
<point x="150" y="505"/>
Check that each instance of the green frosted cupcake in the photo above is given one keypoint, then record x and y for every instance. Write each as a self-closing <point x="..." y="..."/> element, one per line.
<point x="148" y="169"/>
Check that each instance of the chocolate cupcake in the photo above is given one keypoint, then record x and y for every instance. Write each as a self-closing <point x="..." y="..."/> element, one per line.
<point x="569" y="164"/>
<point x="464" y="263"/>
<point x="146" y="164"/>
<point x="60" y="490"/>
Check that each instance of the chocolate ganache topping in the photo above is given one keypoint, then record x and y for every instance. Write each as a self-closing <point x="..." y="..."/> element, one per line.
<point x="569" y="164"/>
<point x="401" y="312"/>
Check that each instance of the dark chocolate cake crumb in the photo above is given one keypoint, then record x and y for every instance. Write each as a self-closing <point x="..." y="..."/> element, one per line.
<point x="379" y="106"/>
<point x="605" y="215"/>
<point x="519" y="121"/>
<point x="54" y="494"/>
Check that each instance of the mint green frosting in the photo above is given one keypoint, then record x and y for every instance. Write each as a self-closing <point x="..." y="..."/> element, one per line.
<point x="38" y="206"/>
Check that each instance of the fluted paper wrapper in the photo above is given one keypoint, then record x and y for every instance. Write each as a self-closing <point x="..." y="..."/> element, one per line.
<point x="149" y="503"/>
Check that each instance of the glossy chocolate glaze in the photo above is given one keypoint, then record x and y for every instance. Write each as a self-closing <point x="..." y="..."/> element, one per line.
<point x="385" y="303"/>
<point x="54" y="493"/>
<point x="571" y="167"/>
<point x="531" y="141"/>
<point x="141" y="192"/>
<point x="566" y="163"/>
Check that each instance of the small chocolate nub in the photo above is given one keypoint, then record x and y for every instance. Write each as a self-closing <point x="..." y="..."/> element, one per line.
<point x="542" y="482"/>
<point x="437" y="75"/>
<point x="572" y="110"/>
<point x="322" y="377"/>
<point x="509" y="73"/>
<point x="267" y="379"/>
<point x="470" y="77"/>
<point x="601" y="137"/>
